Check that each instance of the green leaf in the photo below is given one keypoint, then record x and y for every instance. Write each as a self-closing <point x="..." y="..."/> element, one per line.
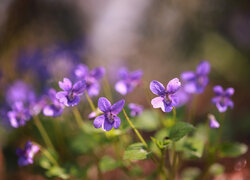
<point x="147" y="121"/>
<point x="216" y="169"/>
<point x="56" y="171"/>
<point x="161" y="144"/>
<point x="136" y="152"/>
<point x="190" y="173"/>
<point x="136" y="171"/>
<point x="232" y="149"/>
<point x="179" y="130"/>
<point x="82" y="143"/>
<point x="107" y="164"/>
<point x="44" y="162"/>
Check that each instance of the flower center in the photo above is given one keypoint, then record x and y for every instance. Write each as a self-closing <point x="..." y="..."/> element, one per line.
<point x="71" y="96"/>
<point x="223" y="101"/>
<point x="200" y="80"/>
<point x="110" y="117"/>
<point x="167" y="99"/>
<point x="89" y="81"/>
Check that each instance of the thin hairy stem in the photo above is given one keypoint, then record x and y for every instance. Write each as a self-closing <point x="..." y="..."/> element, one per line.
<point x="107" y="89"/>
<point x="78" y="117"/>
<point x="47" y="154"/>
<point x="43" y="133"/>
<point x="135" y="130"/>
<point x="90" y="101"/>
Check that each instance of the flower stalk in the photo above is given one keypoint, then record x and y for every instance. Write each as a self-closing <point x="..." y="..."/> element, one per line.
<point x="43" y="133"/>
<point x="90" y="101"/>
<point x="135" y="130"/>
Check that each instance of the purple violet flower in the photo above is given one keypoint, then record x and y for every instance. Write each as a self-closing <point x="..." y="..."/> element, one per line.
<point x="222" y="99"/>
<point x="129" y="80"/>
<point x="26" y="156"/>
<point x="212" y="121"/>
<point x="195" y="82"/>
<point x="109" y="118"/>
<point x="55" y="108"/>
<point x="92" y="78"/>
<point x="167" y="97"/>
<point x="135" y="109"/>
<point x="18" y="115"/>
<point x="70" y="94"/>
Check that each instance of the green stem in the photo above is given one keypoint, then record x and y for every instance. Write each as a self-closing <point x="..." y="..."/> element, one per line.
<point x="162" y="163"/>
<point x="192" y="108"/>
<point x="107" y="89"/>
<point x="135" y="130"/>
<point x="47" y="154"/>
<point x="99" y="172"/>
<point x="90" y="101"/>
<point x="174" y="114"/>
<point x="78" y="117"/>
<point x="222" y="117"/>
<point x="43" y="133"/>
<point x="174" y="151"/>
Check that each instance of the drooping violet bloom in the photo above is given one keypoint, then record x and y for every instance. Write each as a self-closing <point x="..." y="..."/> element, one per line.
<point x="19" y="91"/>
<point x="18" y="115"/>
<point x="92" y="78"/>
<point x="129" y="80"/>
<point x="109" y="119"/>
<point x="212" y="121"/>
<point x="222" y="99"/>
<point x="195" y="82"/>
<point x="135" y="109"/>
<point x="70" y="96"/>
<point x="27" y="154"/>
<point x="167" y="97"/>
<point x="56" y="107"/>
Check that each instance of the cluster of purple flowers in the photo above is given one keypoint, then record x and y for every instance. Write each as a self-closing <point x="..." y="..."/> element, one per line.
<point x="25" y="104"/>
<point x="193" y="82"/>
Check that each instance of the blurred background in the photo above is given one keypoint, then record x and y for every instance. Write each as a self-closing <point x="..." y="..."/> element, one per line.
<point x="41" y="41"/>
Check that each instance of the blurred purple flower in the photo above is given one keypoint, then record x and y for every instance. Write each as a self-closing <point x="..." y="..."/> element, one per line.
<point x="129" y="80"/>
<point x="19" y="92"/>
<point x="183" y="97"/>
<point x="212" y="121"/>
<point x="33" y="61"/>
<point x="62" y="60"/>
<point x="70" y="94"/>
<point x="109" y="118"/>
<point x="195" y="82"/>
<point x="18" y="115"/>
<point x="135" y="109"/>
<point x="167" y="97"/>
<point x="55" y="108"/>
<point x="222" y="99"/>
<point x="92" y="78"/>
<point x="26" y="156"/>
